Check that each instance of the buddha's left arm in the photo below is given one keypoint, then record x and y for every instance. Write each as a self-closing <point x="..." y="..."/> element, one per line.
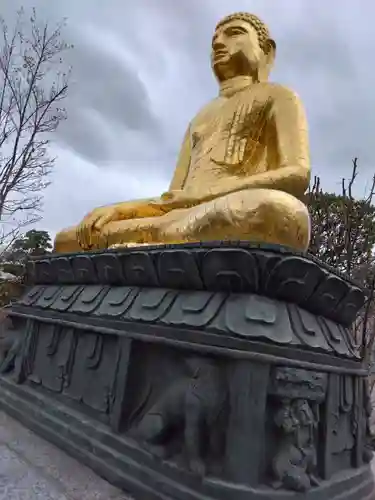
<point x="290" y="169"/>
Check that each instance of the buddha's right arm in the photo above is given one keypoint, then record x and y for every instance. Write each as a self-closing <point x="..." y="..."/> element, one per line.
<point x="183" y="164"/>
<point x="152" y="207"/>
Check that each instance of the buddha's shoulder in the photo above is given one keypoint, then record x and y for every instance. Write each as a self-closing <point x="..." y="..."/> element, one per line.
<point x="276" y="92"/>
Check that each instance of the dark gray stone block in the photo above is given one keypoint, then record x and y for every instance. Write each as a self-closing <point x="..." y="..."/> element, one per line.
<point x="196" y="371"/>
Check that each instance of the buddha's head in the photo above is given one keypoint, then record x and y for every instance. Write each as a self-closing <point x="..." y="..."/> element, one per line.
<point x="241" y="46"/>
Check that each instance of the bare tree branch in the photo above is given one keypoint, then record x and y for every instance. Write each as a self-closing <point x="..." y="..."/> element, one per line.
<point x="32" y="86"/>
<point x="343" y="236"/>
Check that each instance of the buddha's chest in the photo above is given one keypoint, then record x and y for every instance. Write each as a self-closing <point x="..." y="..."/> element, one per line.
<point x="231" y="132"/>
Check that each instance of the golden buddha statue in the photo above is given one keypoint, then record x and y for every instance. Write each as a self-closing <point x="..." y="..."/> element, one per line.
<point x="243" y="167"/>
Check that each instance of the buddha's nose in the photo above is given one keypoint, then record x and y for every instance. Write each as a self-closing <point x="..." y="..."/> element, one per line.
<point x="219" y="46"/>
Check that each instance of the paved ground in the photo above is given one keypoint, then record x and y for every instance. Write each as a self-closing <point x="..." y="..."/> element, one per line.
<point x="31" y="468"/>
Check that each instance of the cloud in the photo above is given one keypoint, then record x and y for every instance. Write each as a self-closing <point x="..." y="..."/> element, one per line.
<point x="102" y="69"/>
<point x="79" y="185"/>
<point x="141" y="71"/>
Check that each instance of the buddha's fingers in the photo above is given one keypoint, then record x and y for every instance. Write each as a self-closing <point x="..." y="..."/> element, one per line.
<point x="79" y="237"/>
<point x="96" y="240"/>
<point x="103" y="220"/>
<point x="90" y="237"/>
<point x="85" y="236"/>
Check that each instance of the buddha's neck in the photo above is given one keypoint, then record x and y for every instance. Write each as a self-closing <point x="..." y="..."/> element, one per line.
<point x="233" y="85"/>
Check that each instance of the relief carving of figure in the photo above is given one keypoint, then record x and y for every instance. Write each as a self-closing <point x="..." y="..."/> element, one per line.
<point x="295" y="461"/>
<point x="191" y="407"/>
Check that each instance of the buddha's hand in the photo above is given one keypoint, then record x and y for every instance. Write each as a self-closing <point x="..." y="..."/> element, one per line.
<point x="179" y="198"/>
<point x="88" y="231"/>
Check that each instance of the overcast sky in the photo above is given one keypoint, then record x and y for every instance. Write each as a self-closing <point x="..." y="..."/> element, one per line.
<point x="141" y="71"/>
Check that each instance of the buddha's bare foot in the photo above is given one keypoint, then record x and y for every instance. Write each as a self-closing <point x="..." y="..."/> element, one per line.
<point x="136" y="232"/>
<point x="132" y="245"/>
<point x="66" y="241"/>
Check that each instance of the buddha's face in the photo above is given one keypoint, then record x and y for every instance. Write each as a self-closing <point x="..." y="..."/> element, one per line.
<point x="235" y="50"/>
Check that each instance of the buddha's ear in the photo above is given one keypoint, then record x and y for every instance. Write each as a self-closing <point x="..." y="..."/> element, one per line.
<point x="269" y="52"/>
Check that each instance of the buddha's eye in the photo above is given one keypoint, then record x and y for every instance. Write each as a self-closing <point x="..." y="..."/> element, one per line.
<point x="235" y="32"/>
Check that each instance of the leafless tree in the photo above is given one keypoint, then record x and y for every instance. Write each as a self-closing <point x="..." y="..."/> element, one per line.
<point x="343" y="236"/>
<point x="33" y="84"/>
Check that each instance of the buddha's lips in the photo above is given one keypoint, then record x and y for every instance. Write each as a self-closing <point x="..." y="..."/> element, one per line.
<point x="220" y="53"/>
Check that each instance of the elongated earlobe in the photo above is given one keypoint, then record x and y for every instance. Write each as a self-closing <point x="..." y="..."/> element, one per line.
<point x="265" y="67"/>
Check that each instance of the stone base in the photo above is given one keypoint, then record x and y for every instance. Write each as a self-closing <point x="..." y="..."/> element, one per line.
<point x="135" y="471"/>
<point x="195" y="372"/>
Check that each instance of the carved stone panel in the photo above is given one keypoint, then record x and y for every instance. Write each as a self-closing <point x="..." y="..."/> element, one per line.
<point x="79" y="365"/>
<point x="343" y="438"/>
<point x="293" y="427"/>
<point x="53" y="356"/>
<point x="297" y="383"/>
<point x="93" y="375"/>
<point x="346" y="423"/>
<point x="246" y="434"/>
<point x="179" y="408"/>
<point x="11" y="339"/>
<point x="294" y="465"/>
